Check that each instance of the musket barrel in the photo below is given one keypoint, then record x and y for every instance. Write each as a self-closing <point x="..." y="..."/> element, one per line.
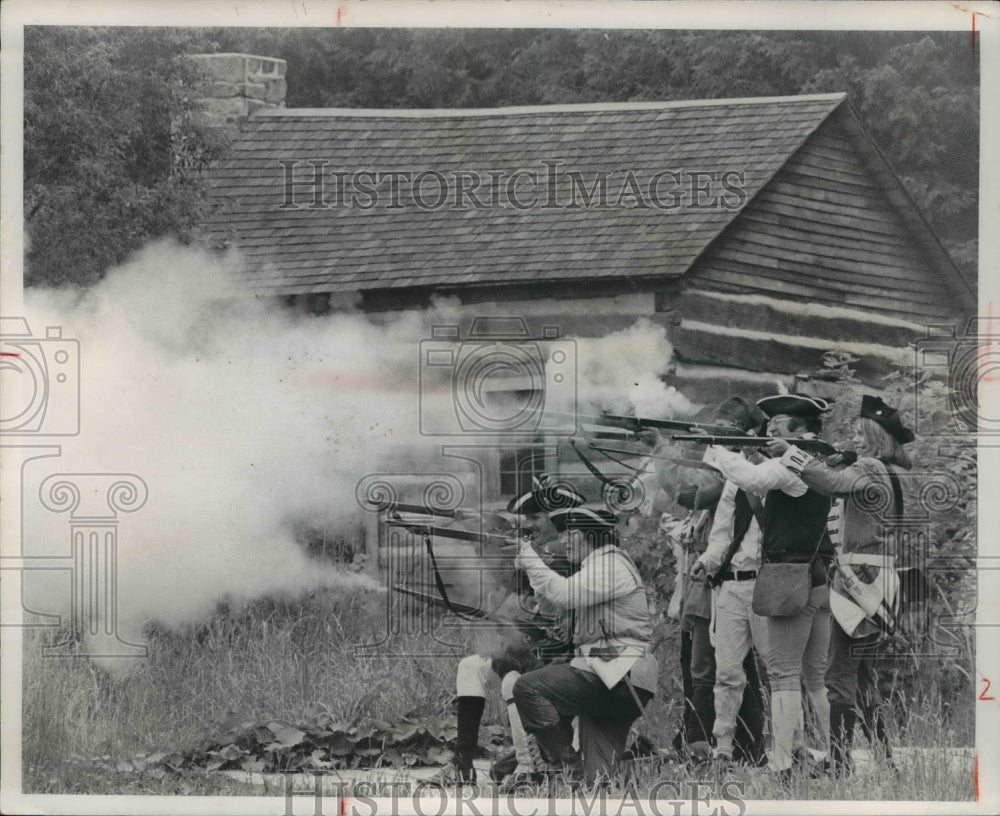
<point x="675" y="425"/>
<point x="635" y="424"/>
<point x="401" y="507"/>
<point x="808" y="445"/>
<point x="449" y="532"/>
<point x="606" y="420"/>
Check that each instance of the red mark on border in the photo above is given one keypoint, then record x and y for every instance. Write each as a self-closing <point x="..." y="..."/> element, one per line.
<point x="975" y="773"/>
<point x="340" y="14"/>
<point x="974" y="15"/>
<point x="10" y="354"/>
<point x="343" y="799"/>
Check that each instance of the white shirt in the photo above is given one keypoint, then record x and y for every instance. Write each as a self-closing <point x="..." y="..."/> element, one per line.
<point x="597" y="579"/>
<point x="603" y="576"/>
<point x="757" y="479"/>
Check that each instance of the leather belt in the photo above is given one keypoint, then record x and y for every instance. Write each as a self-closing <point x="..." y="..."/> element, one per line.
<point x="738" y="575"/>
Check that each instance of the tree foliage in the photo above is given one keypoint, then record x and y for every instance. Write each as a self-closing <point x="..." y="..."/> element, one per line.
<point x="112" y="149"/>
<point x="99" y="105"/>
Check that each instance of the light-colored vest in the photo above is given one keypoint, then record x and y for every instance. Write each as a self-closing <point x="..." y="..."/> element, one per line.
<point x="615" y="636"/>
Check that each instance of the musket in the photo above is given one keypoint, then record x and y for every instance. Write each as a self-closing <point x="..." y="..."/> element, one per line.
<point x="427" y="531"/>
<point x="436" y="600"/>
<point x="486" y="518"/>
<point x="808" y="445"/>
<point x="579" y="443"/>
<point x="497" y="540"/>
<point x="636" y="424"/>
<point x="616" y="434"/>
<point x="428" y="510"/>
<point x="424" y="528"/>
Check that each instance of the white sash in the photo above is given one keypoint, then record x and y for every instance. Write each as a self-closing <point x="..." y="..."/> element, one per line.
<point x="852" y="601"/>
<point x="612" y="671"/>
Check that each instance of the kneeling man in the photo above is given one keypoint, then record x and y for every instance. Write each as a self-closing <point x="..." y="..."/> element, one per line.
<point x="613" y="673"/>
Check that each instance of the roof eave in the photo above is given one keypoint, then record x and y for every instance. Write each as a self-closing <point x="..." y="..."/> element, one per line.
<point x="333" y="287"/>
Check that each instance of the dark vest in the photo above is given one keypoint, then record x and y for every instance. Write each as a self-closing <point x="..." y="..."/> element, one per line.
<point x="742" y="516"/>
<point x="795" y="526"/>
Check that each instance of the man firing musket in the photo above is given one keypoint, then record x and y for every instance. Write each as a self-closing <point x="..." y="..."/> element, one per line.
<point x="496" y="556"/>
<point x="530" y="633"/>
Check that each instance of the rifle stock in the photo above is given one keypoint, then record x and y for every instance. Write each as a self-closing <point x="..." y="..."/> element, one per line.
<point x="808" y="445"/>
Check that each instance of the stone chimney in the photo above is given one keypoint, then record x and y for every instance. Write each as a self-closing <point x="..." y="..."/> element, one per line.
<point x="238" y="85"/>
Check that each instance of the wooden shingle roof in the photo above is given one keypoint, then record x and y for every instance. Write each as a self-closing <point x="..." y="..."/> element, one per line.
<point x="292" y="246"/>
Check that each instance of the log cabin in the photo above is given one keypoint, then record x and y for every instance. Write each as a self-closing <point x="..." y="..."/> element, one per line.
<point x="759" y="232"/>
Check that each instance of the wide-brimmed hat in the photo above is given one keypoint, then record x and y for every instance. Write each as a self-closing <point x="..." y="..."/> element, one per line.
<point x="793" y="405"/>
<point x="875" y="409"/>
<point x="544" y="498"/>
<point x="583" y="518"/>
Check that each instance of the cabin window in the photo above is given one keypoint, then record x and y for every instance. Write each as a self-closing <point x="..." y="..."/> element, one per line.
<point x="518" y="466"/>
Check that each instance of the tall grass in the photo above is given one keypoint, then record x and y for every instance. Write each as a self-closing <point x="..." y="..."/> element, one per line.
<point x="284" y="659"/>
<point x="288" y="659"/>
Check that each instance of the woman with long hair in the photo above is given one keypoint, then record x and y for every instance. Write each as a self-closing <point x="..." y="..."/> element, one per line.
<point x="868" y="494"/>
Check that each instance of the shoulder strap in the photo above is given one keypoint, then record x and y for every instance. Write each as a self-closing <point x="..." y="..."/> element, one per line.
<point x="747" y="505"/>
<point x="742" y="510"/>
<point x="439" y="582"/>
<point x="757" y="507"/>
<point x="897" y="490"/>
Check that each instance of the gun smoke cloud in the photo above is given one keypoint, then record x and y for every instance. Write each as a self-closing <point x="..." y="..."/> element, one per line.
<point x="240" y="418"/>
<point x="624" y="371"/>
<point x="243" y="417"/>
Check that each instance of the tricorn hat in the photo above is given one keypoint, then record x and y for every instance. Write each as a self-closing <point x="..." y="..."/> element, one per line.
<point x="544" y="498"/>
<point x="793" y="405"/>
<point x="583" y="518"/>
<point x="875" y="409"/>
